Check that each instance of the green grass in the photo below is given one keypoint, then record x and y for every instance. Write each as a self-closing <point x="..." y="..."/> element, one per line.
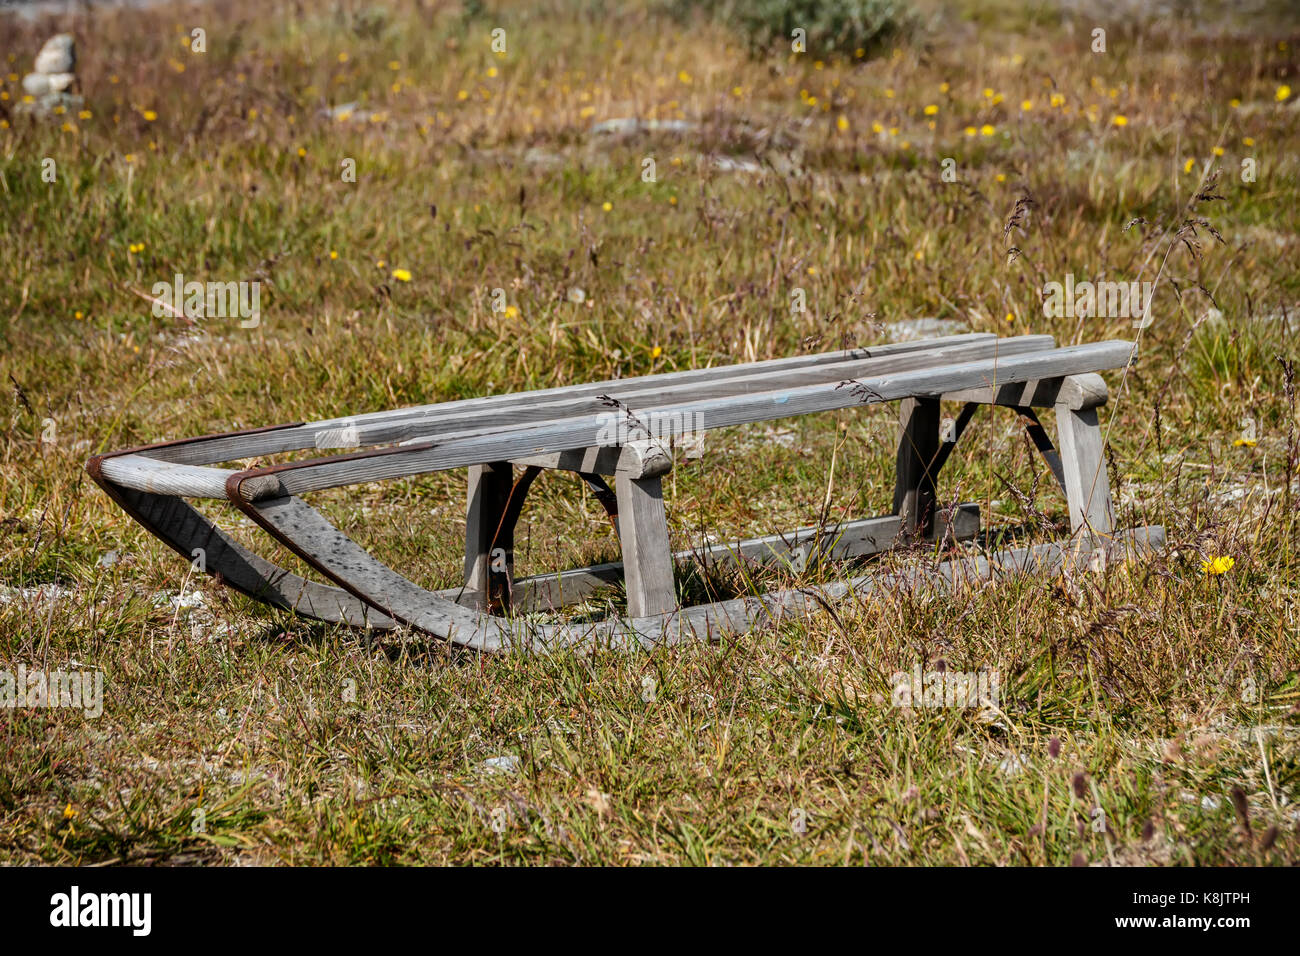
<point x="1168" y="690"/>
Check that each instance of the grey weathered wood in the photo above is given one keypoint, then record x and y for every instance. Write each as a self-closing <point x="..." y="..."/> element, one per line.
<point x="1087" y="485"/>
<point x="195" y="538"/>
<point x="489" y="537"/>
<point x="459" y="451"/>
<point x="165" y="478"/>
<point x="643" y="534"/>
<point x="421" y="422"/>
<point x="638" y="459"/>
<point x="918" y="450"/>
<point x="1076" y="392"/>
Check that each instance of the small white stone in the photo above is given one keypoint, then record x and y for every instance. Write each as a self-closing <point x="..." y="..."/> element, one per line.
<point x="37" y="84"/>
<point x="59" y="55"/>
<point x="506" y="764"/>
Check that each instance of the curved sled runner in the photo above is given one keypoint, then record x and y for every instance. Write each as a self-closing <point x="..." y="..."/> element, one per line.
<point x="625" y="428"/>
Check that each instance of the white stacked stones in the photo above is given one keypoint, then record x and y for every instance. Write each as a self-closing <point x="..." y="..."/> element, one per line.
<point x="54" y="73"/>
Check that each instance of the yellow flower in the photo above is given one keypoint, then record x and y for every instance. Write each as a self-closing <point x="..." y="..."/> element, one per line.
<point x="1120" y="120"/>
<point x="1234" y="102"/>
<point x="68" y="812"/>
<point x="491" y="71"/>
<point x="1218" y="151"/>
<point x="379" y="263"/>
<point x="607" y="206"/>
<point x="402" y="275"/>
<point x="1001" y="177"/>
<point x="877" y="128"/>
<point x="1026" y="105"/>
<point x="301" y="152"/>
<point x="76" y="315"/>
<point x="587" y="111"/>
<point x="988" y="92"/>
<point x="987" y="130"/>
<point x="842" y="124"/>
<point x="462" y="95"/>
<point x="1283" y="93"/>
<point x="736" y="91"/>
<point x="512" y="311"/>
<point x="1011" y="317"/>
<point x="971" y="131"/>
<point x="343" y="58"/>
<point x="931" y="110"/>
<point x="672" y="200"/>
<point x="1058" y="100"/>
<point x="85" y="115"/>
<point x="1187" y="166"/>
<point x="920" y="254"/>
<point x="1247" y="141"/>
<point x="149" y="115"/>
<point x="889" y="93"/>
<point x="812" y="270"/>
<point x="1244" y="442"/>
<point x="333" y="254"/>
<point x="944" y="87"/>
<point x="1220" y="565"/>
<point x="656" y="352"/>
<point x="135" y="247"/>
<point x="997" y="98"/>
<point x="683" y="76"/>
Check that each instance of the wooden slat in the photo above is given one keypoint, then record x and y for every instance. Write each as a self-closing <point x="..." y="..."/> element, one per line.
<point x="523" y="407"/>
<point x="918" y="449"/>
<point x="1087" y="484"/>
<point x="453" y="451"/>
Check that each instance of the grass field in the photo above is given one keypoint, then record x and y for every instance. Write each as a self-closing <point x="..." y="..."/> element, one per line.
<point x="1150" y="713"/>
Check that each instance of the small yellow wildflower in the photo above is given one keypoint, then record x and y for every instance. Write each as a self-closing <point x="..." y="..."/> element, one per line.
<point x="607" y="206"/>
<point x="149" y="116"/>
<point x="1234" y="103"/>
<point x="1187" y="166"/>
<point x="842" y="124"/>
<point x="1247" y="141"/>
<point x="889" y="93"/>
<point x="77" y="316"/>
<point x="987" y="130"/>
<point x="931" y="110"/>
<point x="512" y="312"/>
<point x="877" y="128"/>
<point x="1026" y="105"/>
<point x="379" y="263"/>
<point x="1058" y="100"/>
<point x="402" y="275"/>
<point x="85" y="115"/>
<point x="462" y="95"/>
<point x="1244" y="443"/>
<point x="1218" y="151"/>
<point x="1218" y="565"/>
<point x="1001" y="177"/>
<point x="1120" y="119"/>
<point x="343" y="57"/>
<point x="971" y="131"/>
<point x="944" y="87"/>
<point x="333" y="254"/>
<point x="656" y="352"/>
<point x="491" y="72"/>
<point x="988" y="92"/>
<point x="683" y="76"/>
<point x="1283" y="93"/>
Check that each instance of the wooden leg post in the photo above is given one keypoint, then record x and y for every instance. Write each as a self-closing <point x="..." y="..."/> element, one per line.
<point x="917" y="446"/>
<point x="643" y="532"/>
<point x="489" y="564"/>
<point x="1087" y="485"/>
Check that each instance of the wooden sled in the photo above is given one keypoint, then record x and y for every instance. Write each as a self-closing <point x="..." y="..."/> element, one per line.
<point x="623" y="428"/>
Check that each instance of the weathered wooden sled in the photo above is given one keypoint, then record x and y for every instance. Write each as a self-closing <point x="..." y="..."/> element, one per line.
<point x="621" y="428"/>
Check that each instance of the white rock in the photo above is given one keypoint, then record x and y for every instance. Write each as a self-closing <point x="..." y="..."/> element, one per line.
<point x="37" y="84"/>
<point x="506" y="764"/>
<point x="59" y="55"/>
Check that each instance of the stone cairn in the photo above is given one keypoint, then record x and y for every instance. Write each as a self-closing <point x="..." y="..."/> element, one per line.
<point x="53" y="76"/>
